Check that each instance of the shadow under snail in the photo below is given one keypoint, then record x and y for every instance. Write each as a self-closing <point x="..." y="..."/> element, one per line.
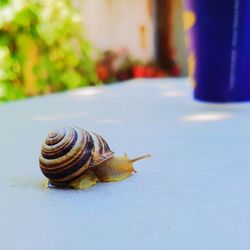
<point x="72" y="157"/>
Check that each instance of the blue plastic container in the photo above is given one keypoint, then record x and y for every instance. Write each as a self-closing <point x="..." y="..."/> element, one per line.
<point x="219" y="42"/>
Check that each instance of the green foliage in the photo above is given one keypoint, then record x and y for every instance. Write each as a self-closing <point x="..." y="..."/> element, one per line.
<point x="42" y="48"/>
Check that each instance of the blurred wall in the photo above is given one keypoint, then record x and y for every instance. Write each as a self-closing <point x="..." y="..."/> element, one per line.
<point x="120" y="23"/>
<point x="114" y="24"/>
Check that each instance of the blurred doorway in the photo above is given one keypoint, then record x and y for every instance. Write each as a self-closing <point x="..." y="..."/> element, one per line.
<point x="169" y="34"/>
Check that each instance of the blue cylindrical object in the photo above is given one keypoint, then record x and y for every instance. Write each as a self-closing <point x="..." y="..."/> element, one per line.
<point x="219" y="42"/>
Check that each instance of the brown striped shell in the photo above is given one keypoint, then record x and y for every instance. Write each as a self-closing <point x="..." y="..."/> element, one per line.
<point x="101" y="151"/>
<point x="67" y="152"/>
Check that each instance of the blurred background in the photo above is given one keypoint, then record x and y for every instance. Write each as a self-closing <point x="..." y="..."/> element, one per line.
<point x="49" y="46"/>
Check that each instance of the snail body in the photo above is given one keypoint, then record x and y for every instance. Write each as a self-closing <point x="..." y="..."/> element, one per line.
<point x="75" y="158"/>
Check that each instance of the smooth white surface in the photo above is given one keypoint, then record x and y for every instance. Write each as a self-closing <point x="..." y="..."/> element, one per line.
<point x="192" y="194"/>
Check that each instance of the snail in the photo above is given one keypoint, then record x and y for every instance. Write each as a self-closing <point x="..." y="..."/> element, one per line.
<point x="72" y="157"/>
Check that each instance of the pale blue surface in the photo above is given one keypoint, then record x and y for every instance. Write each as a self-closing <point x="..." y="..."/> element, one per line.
<point x="192" y="194"/>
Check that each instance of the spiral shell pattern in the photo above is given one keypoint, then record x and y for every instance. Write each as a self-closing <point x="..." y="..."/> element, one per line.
<point x="101" y="151"/>
<point x="66" y="153"/>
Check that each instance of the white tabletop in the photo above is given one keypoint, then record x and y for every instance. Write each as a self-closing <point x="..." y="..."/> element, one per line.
<point x="194" y="193"/>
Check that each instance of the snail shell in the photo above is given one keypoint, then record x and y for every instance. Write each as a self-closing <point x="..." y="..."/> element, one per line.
<point x="101" y="151"/>
<point x="69" y="151"/>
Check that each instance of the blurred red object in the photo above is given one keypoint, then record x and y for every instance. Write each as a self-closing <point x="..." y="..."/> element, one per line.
<point x="175" y="71"/>
<point x="138" y="71"/>
<point x="102" y="72"/>
<point x="119" y="66"/>
<point x="148" y="71"/>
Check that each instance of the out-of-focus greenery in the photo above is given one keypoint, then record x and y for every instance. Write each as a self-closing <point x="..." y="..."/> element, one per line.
<point x="42" y="48"/>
